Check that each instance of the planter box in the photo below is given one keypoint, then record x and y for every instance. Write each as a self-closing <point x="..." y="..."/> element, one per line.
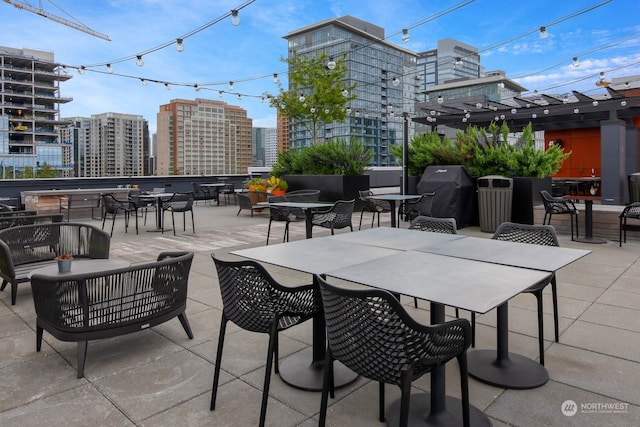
<point x="332" y="187"/>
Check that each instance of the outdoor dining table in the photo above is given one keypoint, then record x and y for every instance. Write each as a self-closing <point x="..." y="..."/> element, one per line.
<point x="392" y="198"/>
<point x="159" y="197"/>
<point x="307" y="208"/>
<point x="502" y="368"/>
<point x="395" y="238"/>
<point x="588" y="217"/>
<point x="216" y="187"/>
<point x="305" y="369"/>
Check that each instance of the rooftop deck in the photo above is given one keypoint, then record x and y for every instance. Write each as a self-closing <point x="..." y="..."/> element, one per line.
<point x="158" y="377"/>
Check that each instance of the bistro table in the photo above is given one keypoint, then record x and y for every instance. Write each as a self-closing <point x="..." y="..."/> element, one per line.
<point x="392" y="198"/>
<point x="159" y="197"/>
<point x="305" y="369"/>
<point x="308" y="208"/>
<point x="395" y="238"/>
<point x="588" y="217"/>
<point x="502" y="368"/>
<point x="215" y="187"/>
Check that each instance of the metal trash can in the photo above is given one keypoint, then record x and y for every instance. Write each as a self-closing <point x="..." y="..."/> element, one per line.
<point x="634" y="187"/>
<point x="495" y="194"/>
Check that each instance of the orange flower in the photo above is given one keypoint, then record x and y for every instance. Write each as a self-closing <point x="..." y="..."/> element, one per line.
<point x="62" y="257"/>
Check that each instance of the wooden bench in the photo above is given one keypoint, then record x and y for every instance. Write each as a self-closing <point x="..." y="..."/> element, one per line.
<point x="25" y="248"/>
<point x="84" y="307"/>
<point x="79" y="201"/>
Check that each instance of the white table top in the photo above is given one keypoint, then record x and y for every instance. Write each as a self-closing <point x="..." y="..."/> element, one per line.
<point x="539" y="257"/>
<point x="315" y="256"/>
<point x="395" y="238"/>
<point x="457" y="282"/>
<point x="214" y="184"/>
<point x="395" y="196"/>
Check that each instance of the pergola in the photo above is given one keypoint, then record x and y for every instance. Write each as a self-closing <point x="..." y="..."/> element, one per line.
<point x="612" y="113"/>
<point x="544" y="112"/>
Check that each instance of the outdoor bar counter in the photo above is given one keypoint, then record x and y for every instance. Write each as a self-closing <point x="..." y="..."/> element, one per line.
<point x="48" y="201"/>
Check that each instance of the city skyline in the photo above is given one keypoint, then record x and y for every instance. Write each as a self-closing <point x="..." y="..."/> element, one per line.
<point x="606" y="38"/>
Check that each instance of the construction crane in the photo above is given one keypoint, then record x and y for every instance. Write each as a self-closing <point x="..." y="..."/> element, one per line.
<point x="40" y="11"/>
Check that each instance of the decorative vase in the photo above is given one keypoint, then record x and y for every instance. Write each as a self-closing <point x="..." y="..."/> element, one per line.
<point x="64" y="266"/>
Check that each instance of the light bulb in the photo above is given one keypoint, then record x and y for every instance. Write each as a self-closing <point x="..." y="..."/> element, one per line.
<point x="275" y="78"/>
<point x="326" y="111"/>
<point x="595" y="103"/>
<point x="301" y="98"/>
<point x="546" y="111"/>
<point x="312" y="110"/>
<point x="458" y="64"/>
<point x="139" y="61"/>
<point x="220" y="93"/>
<point x="235" y="19"/>
<point x="405" y="35"/>
<point x="239" y="97"/>
<point x="543" y="33"/>
<point x="331" y="64"/>
<point x="395" y="81"/>
<point x="179" y="45"/>
<point x="348" y="111"/>
<point x="575" y="63"/>
<point x="143" y="81"/>
<point x="167" y="87"/>
<point x="109" y="69"/>
<point x="513" y="111"/>
<point x="502" y="116"/>
<point x="623" y="103"/>
<point x="197" y="88"/>
<point x="440" y="99"/>
<point x="534" y="115"/>
<point x="479" y="105"/>
<point x="576" y="110"/>
<point x="501" y="85"/>
<point x="231" y="86"/>
<point x="601" y="76"/>
<point x="81" y="69"/>
<point x="345" y="93"/>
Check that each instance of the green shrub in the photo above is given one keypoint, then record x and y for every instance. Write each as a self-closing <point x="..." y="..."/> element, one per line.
<point x="427" y="149"/>
<point x="331" y="158"/>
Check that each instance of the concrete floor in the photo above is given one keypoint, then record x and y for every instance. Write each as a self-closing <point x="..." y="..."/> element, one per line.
<point x="158" y="377"/>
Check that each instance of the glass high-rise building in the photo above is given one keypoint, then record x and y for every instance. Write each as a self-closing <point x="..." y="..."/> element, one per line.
<point x="385" y="78"/>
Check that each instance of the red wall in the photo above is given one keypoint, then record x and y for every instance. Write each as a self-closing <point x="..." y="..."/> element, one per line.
<point x="584" y="145"/>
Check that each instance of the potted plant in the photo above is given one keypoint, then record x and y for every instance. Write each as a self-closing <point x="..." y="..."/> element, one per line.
<point x="277" y="186"/>
<point x="256" y="185"/>
<point x="336" y="168"/>
<point x="64" y="262"/>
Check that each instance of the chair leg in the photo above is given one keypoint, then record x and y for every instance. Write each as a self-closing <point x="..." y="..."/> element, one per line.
<point x="538" y="295"/>
<point x="173" y="223"/>
<point x="464" y="388"/>
<point x="405" y="398"/>
<point x="82" y="356"/>
<point x="361" y="213"/>
<point x="185" y="324"/>
<point x="473" y="329"/>
<point x="216" y="372"/>
<point x="328" y="370"/>
<point x="381" y="401"/>
<point x="269" y="231"/>
<point x="193" y="223"/>
<point x="39" y="332"/>
<point x="267" y="374"/>
<point x="14" y="292"/>
<point x="554" y="297"/>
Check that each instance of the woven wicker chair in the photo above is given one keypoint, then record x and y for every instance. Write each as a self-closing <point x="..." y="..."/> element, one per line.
<point x="370" y="332"/>
<point x="372" y="205"/>
<point x="179" y="202"/>
<point x="411" y="209"/>
<point x="536" y="235"/>
<point x="27" y="247"/>
<point x="336" y="217"/>
<point x="559" y="206"/>
<point x="631" y="211"/>
<point x="254" y="301"/>
<point x="112" y="206"/>
<point x="104" y="304"/>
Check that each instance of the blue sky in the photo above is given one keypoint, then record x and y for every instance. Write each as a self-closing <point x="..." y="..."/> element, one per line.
<point x="606" y="38"/>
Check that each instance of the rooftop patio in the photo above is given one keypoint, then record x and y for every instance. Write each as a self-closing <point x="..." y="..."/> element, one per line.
<point x="158" y="377"/>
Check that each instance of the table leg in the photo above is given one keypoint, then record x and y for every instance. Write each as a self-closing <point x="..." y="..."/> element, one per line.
<point x="436" y="408"/>
<point x="392" y="204"/>
<point x="501" y="368"/>
<point x="305" y="369"/>
<point x="308" y="215"/>
<point x="588" y="225"/>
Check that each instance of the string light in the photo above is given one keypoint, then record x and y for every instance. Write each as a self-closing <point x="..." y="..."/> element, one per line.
<point x="167" y="87"/>
<point x="276" y="80"/>
<point x="179" y="45"/>
<point x="575" y="63"/>
<point x="143" y="81"/>
<point x="139" y="61"/>
<point x="81" y="69"/>
<point x="331" y="64"/>
<point x="543" y="33"/>
<point x="231" y="86"/>
<point x="458" y="64"/>
<point x="395" y="81"/>
<point x="235" y="19"/>
<point x="109" y="69"/>
<point x="405" y="35"/>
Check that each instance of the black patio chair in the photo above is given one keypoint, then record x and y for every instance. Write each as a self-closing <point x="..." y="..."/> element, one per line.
<point x="201" y="193"/>
<point x="411" y="209"/>
<point x="283" y="214"/>
<point x="376" y="207"/>
<point x="369" y="331"/>
<point x="536" y="235"/>
<point x="179" y="202"/>
<point x="112" y="206"/>
<point x="336" y="217"/>
<point x="229" y="192"/>
<point x="631" y="211"/>
<point x="253" y="300"/>
<point x="559" y="206"/>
